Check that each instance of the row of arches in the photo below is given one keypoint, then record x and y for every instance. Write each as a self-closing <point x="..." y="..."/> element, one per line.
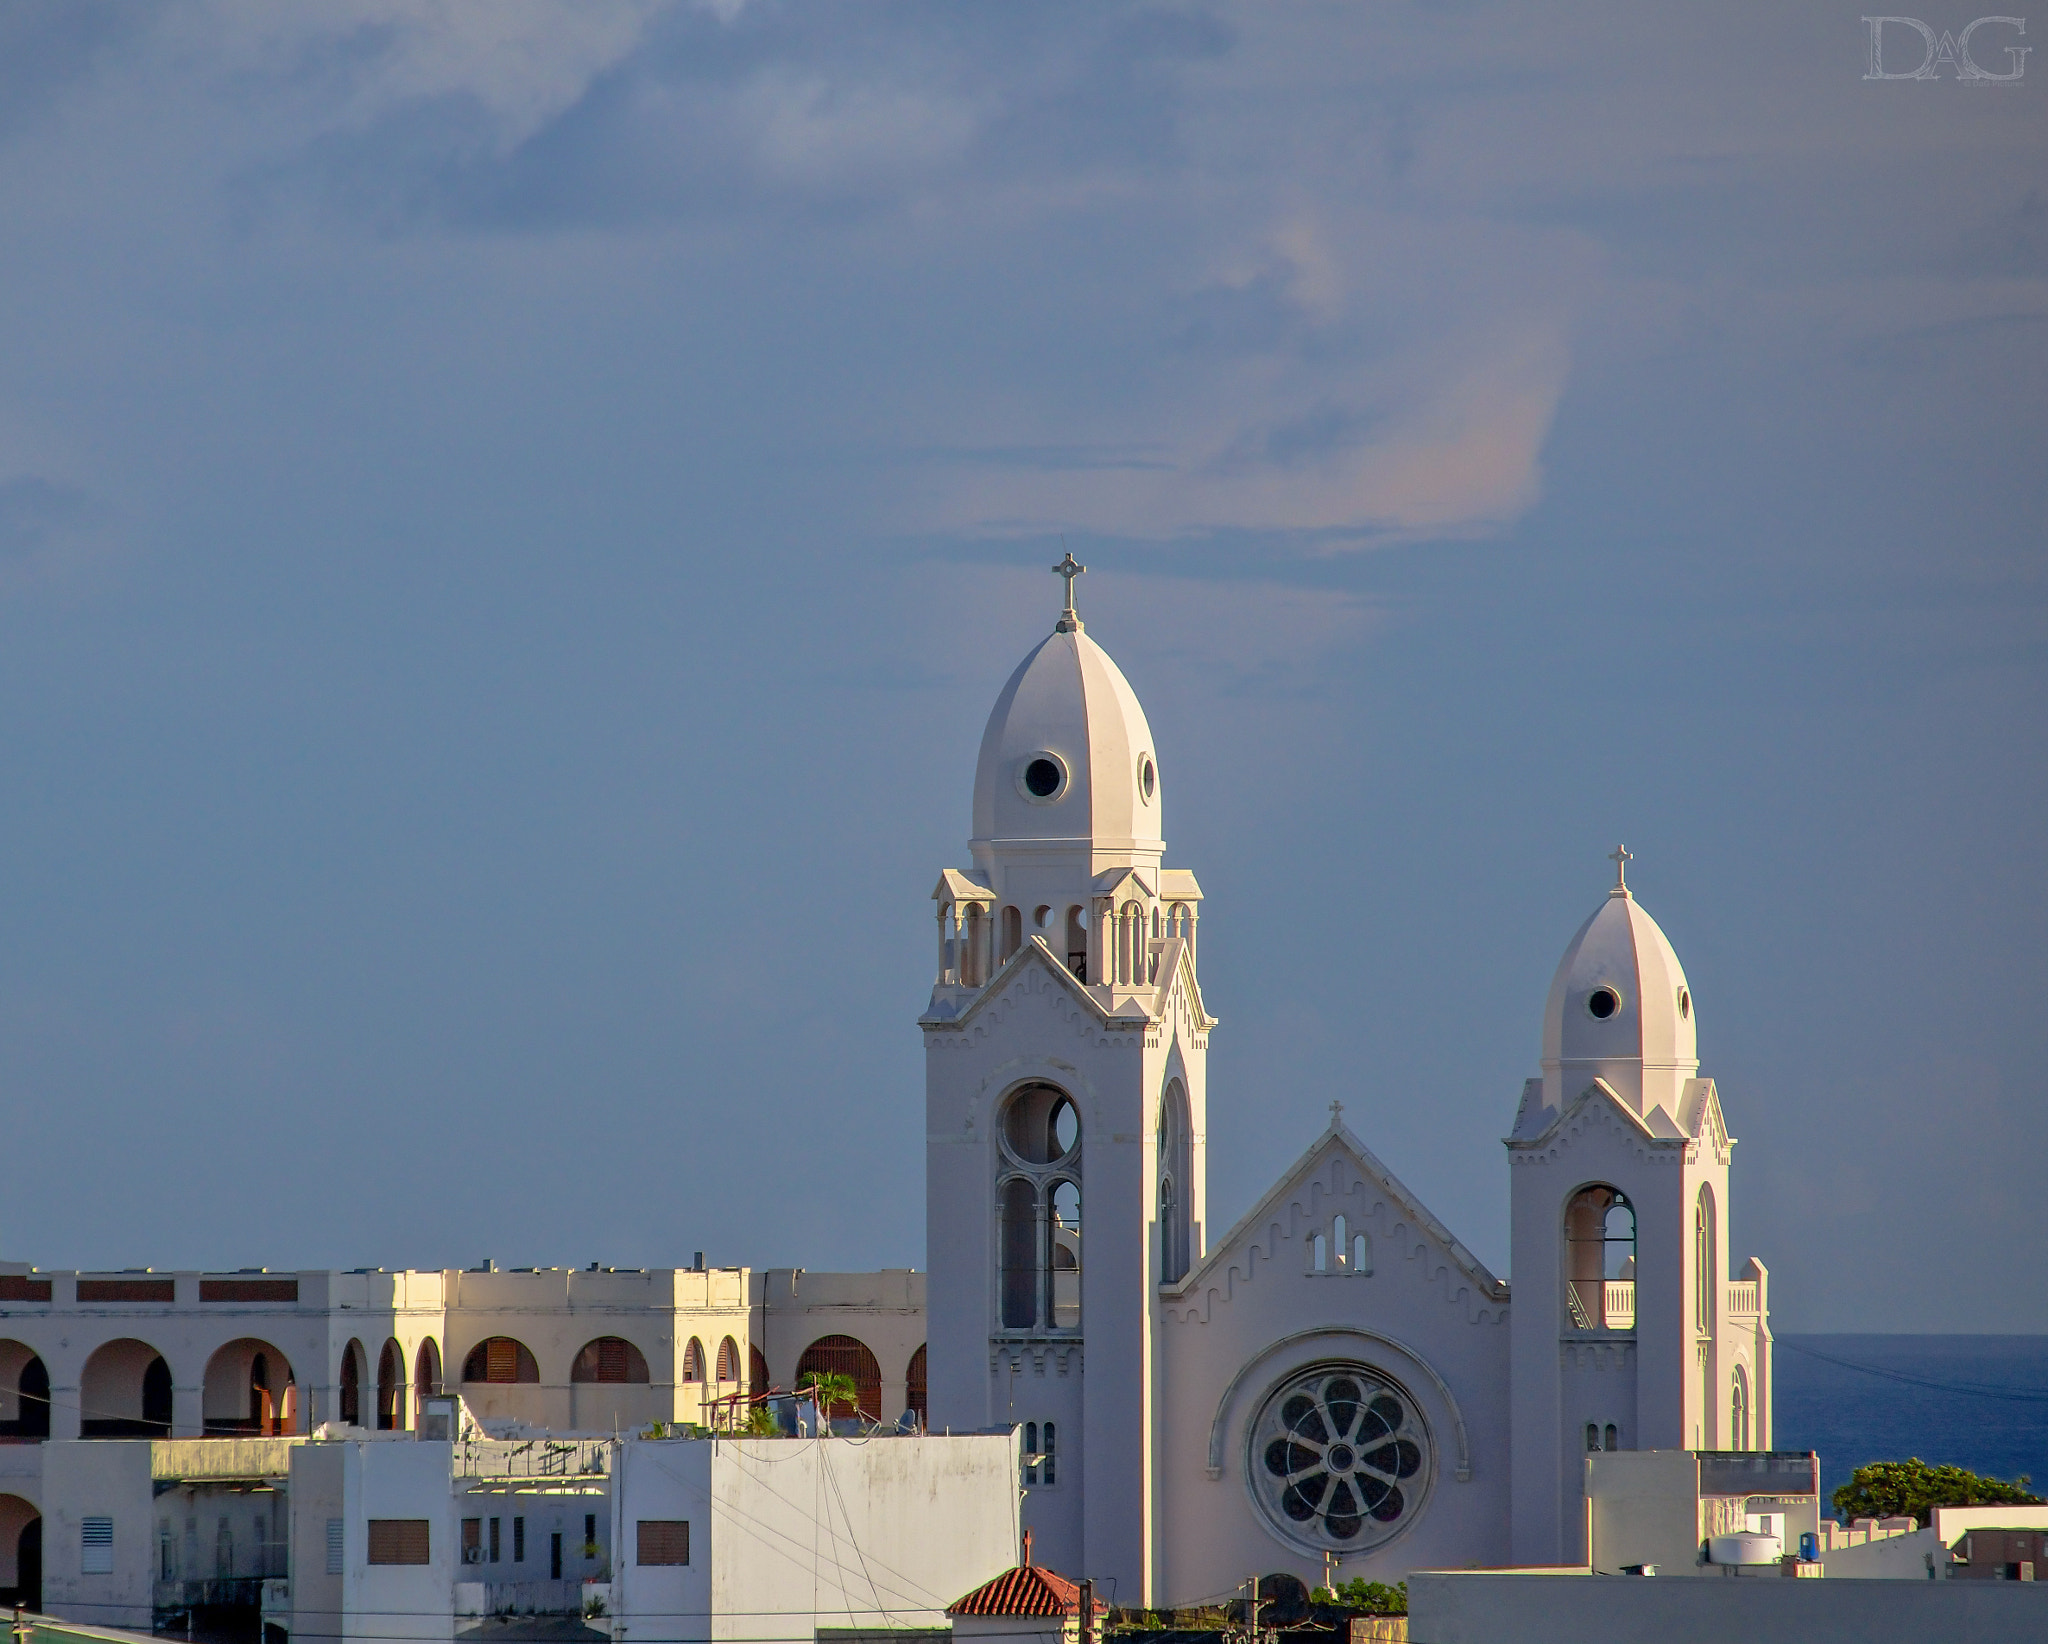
<point x="976" y="938"/>
<point x="606" y="1359"/>
<point x="126" y="1390"/>
<point x="390" y="1415"/>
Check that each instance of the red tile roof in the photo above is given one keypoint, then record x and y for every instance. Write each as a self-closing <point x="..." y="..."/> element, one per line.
<point x="1026" y="1590"/>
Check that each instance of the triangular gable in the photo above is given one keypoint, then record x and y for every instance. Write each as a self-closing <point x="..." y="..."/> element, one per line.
<point x="1369" y="1166"/>
<point x="1666" y="1134"/>
<point x="1177" y="972"/>
<point x="1128" y="883"/>
<point x="1702" y="1116"/>
<point x="955" y="886"/>
<point x="1032" y="952"/>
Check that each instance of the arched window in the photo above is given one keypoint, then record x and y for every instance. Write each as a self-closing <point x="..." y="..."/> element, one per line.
<point x="24" y="1396"/>
<point x="351" y="1384"/>
<point x="728" y="1360"/>
<point x="1338" y="1242"/>
<point x="693" y="1361"/>
<point x="847" y="1356"/>
<point x="757" y="1372"/>
<point x="1049" y="1469"/>
<point x="1319" y="1253"/>
<point x="1613" y="1437"/>
<point x="610" y="1358"/>
<point x="1361" y="1255"/>
<point x="1592" y="1435"/>
<point x="1077" y="943"/>
<point x="1019" y="1239"/>
<point x="916" y="1394"/>
<point x="391" y="1389"/>
<point x="1703" y="1264"/>
<point x="1176" y="1171"/>
<point x="1063" y="1237"/>
<point x="1600" y="1260"/>
<point x="1013" y="931"/>
<point x="426" y="1370"/>
<point x="500" y="1359"/>
<point x="1031" y="1452"/>
<point x="1738" y="1411"/>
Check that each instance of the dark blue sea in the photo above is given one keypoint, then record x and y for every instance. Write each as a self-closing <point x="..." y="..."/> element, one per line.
<point x="1979" y="1402"/>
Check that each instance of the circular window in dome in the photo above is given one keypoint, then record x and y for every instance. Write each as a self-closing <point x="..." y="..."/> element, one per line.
<point x="1340" y="1459"/>
<point x="1685" y="1004"/>
<point x="1603" y="1002"/>
<point x="1148" y="777"/>
<point x="1042" y="778"/>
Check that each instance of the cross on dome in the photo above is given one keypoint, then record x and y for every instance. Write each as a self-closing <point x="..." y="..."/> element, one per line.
<point x="1336" y="1113"/>
<point x="1069" y="568"/>
<point x="1621" y="857"/>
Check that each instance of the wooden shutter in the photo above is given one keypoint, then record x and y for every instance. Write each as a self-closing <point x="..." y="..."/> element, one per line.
<point x="399" y="1541"/>
<point x="664" y="1541"/>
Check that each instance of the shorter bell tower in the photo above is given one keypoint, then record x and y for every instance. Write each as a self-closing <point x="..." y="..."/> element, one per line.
<point x="1629" y="1331"/>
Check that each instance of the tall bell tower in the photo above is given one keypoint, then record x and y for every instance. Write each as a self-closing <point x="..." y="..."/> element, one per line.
<point x="1628" y="1331"/>
<point x="1065" y="1055"/>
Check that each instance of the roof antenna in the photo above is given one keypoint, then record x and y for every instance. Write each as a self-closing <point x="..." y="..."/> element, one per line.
<point x="1069" y="568"/>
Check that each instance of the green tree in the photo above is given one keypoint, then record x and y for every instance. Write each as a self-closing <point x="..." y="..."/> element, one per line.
<point x="835" y="1391"/>
<point x="761" y="1423"/>
<point x="1896" y="1489"/>
<point x="1361" y="1597"/>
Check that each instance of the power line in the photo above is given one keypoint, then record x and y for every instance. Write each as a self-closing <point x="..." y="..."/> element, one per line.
<point x="1982" y="1390"/>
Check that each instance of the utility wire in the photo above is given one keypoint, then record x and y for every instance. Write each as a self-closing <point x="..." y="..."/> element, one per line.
<point x="1982" y="1390"/>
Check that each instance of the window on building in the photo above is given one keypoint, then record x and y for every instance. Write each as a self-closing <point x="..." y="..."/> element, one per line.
<point x="728" y="1360"/>
<point x="590" y="1546"/>
<point x="662" y="1541"/>
<point x="693" y="1361"/>
<point x="1703" y="1264"/>
<point x="166" y="1554"/>
<point x="401" y="1540"/>
<point x="1361" y="1255"/>
<point x="555" y="1556"/>
<point x="519" y="1541"/>
<point x="96" y="1545"/>
<point x="1319" y="1254"/>
<point x="1600" y="1260"/>
<point x="1019" y="1200"/>
<point x="1592" y="1435"/>
<point x="472" y="1541"/>
<point x="1339" y="1242"/>
<point x="916" y="1395"/>
<point x="1613" y="1438"/>
<point x="334" y="1545"/>
<point x="1063" y="1235"/>
<point x="847" y="1356"/>
<point x="1031" y="1452"/>
<point x="1049" y="1468"/>
<point x="351" y="1384"/>
<point x="610" y="1359"/>
<point x="495" y="1546"/>
<point x="500" y="1359"/>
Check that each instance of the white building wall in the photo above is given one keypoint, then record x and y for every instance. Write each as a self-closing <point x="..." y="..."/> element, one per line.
<point x="108" y="1479"/>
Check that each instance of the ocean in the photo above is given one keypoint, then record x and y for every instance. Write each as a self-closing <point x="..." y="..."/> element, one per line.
<point x="1979" y="1402"/>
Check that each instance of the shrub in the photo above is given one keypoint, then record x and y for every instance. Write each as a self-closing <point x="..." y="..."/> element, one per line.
<point x="1361" y="1597"/>
<point x="1896" y="1489"/>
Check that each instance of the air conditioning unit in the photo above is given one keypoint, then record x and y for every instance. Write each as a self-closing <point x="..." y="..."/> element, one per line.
<point x="472" y="1555"/>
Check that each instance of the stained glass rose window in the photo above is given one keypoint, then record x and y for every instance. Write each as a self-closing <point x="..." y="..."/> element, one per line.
<point x="1340" y="1458"/>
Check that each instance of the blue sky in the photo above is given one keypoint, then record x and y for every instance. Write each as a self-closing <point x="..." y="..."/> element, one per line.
<point x="512" y="518"/>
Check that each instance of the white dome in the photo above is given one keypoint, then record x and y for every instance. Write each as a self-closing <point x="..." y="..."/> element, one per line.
<point x="1067" y="760"/>
<point x="1620" y="1010"/>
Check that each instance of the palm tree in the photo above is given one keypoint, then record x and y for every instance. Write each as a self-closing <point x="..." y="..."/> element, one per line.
<point x="834" y="1390"/>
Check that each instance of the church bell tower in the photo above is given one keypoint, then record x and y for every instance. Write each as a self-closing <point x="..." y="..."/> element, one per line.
<point x="1065" y="1054"/>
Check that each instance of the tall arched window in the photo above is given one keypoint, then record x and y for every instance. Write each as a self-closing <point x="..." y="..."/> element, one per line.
<point x="1063" y="1254"/>
<point x="1176" y="1172"/>
<point x="693" y="1361"/>
<point x="1013" y="931"/>
<point x="1738" y="1411"/>
<point x="426" y="1370"/>
<point x="847" y="1356"/>
<point x="1038" y="1203"/>
<point x="1600" y="1260"/>
<point x="916" y="1393"/>
<point x="1020" y="1254"/>
<point x="391" y="1389"/>
<point x="1703" y="1264"/>
<point x="728" y="1360"/>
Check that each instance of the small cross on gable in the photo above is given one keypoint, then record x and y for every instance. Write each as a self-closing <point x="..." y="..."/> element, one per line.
<point x="1070" y="568"/>
<point x="1621" y="857"/>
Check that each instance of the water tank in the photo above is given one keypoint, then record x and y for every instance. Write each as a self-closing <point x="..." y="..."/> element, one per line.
<point x="1745" y="1548"/>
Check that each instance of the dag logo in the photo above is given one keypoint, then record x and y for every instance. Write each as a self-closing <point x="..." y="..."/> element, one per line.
<point x="1944" y="49"/>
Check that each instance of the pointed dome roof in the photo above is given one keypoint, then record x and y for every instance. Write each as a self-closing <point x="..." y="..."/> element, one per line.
<point x="1620" y="1010"/>
<point x="1067" y="757"/>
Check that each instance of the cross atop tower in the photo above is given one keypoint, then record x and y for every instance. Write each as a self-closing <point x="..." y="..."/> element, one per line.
<point x="1336" y="1113"/>
<point x="1621" y="857"/>
<point x="1069" y="568"/>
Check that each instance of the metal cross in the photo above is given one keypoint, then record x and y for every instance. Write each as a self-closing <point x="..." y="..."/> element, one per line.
<point x="1069" y="568"/>
<point x="1620" y="857"/>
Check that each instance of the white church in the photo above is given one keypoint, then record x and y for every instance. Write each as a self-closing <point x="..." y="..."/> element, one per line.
<point x="1333" y="1386"/>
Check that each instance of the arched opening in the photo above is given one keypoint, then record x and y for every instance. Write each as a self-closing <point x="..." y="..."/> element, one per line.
<point x="1703" y="1264"/>
<point x="693" y="1361"/>
<point x="1319" y="1253"/>
<point x="1600" y="1260"/>
<point x="847" y="1356"/>
<point x="502" y="1360"/>
<point x="1041" y="1125"/>
<point x="757" y="1372"/>
<point x="610" y="1359"/>
<point x="1361" y="1254"/>
<point x="426" y="1372"/>
<point x="1077" y="942"/>
<point x="21" y="1554"/>
<point x="1013" y="931"/>
<point x="391" y="1389"/>
<point x="727" y="1369"/>
<point x="1176" y="1169"/>
<point x="1613" y="1437"/>
<point x="1592" y="1435"/>
<point x="250" y="1390"/>
<point x="974" y="944"/>
<point x="1063" y="1237"/>
<point x="351" y="1390"/>
<point x="124" y="1391"/>
<point x="24" y="1395"/>
<point x="1738" y="1410"/>
<point x="916" y="1394"/>
<point x="1018" y="1241"/>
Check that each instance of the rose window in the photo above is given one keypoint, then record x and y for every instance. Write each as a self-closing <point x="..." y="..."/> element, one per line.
<point x="1340" y="1458"/>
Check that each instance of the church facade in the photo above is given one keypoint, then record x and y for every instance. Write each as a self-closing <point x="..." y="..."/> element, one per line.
<point x="1335" y="1385"/>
